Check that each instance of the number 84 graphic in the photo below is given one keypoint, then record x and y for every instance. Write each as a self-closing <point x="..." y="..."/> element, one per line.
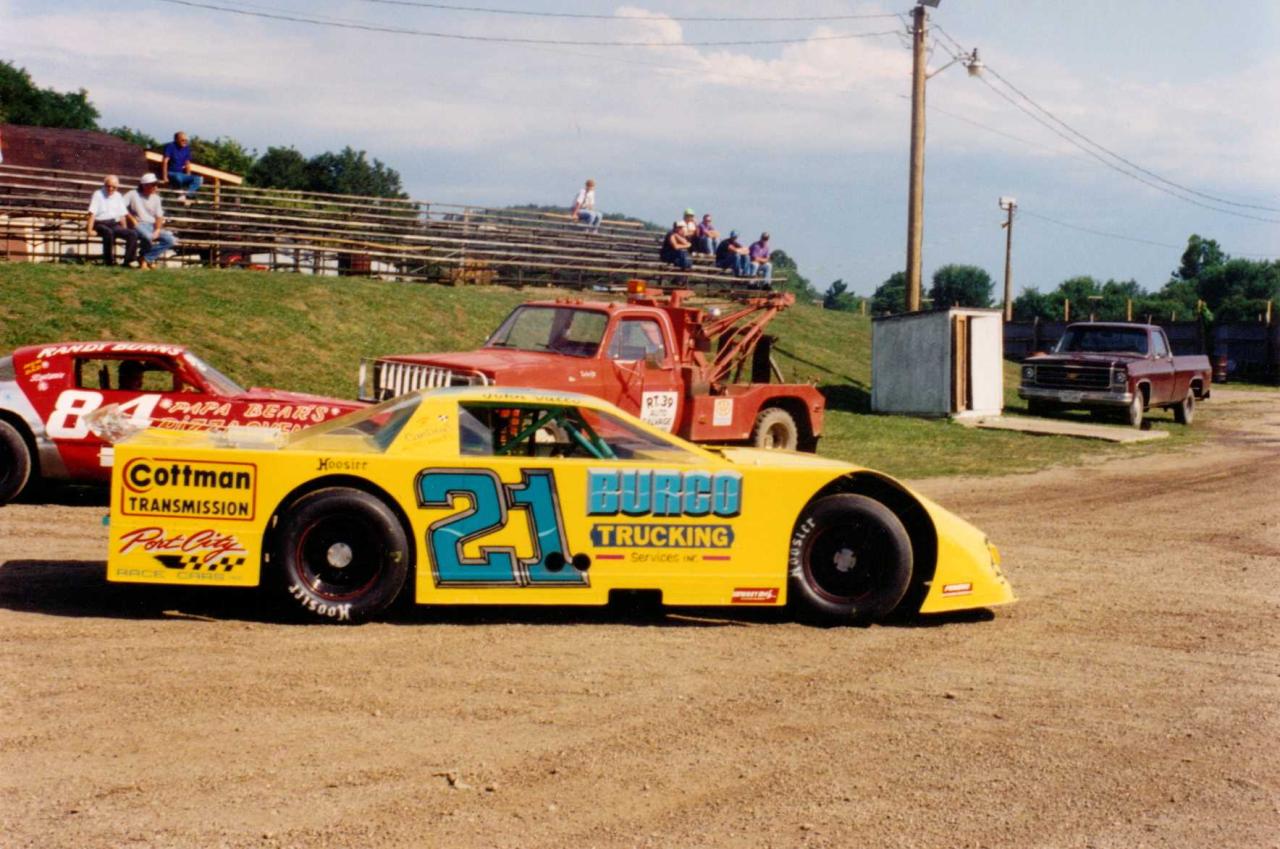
<point x="488" y="511"/>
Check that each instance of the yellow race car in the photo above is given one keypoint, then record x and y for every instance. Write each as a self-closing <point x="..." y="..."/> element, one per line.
<point x="482" y="495"/>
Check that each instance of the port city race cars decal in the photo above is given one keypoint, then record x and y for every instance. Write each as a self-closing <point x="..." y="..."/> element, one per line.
<point x="189" y="489"/>
<point x="204" y="555"/>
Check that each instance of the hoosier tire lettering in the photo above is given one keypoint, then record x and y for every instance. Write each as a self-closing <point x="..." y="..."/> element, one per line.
<point x="341" y="612"/>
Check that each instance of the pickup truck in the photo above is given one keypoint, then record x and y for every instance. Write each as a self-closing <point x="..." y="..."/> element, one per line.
<point x="1118" y="367"/>
<point x="704" y="374"/>
<point x="47" y="391"/>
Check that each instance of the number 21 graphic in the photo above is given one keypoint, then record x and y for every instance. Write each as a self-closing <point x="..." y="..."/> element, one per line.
<point x="490" y="501"/>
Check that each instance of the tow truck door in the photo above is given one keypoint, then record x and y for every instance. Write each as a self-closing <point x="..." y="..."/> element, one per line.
<point x="640" y="353"/>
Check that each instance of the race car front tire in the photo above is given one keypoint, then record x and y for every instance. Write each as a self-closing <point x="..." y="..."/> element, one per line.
<point x="15" y="463"/>
<point x="851" y="560"/>
<point x="341" y="556"/>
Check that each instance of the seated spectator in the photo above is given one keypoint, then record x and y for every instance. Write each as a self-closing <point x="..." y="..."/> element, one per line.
<point x="761" y="266"/>
<point x="675" y="248"/>
<point x="144" y="204"/>
<point x="584" y="207"/>
<point x="176" y="166"/>
<point x="707" y="238"/>
<point x="109" y="218"/>
<point x="689" y="225"/>
<point x="732" y="255"/>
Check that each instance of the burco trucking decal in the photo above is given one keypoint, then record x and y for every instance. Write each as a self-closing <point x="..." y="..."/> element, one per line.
<point x="662" y="492"/>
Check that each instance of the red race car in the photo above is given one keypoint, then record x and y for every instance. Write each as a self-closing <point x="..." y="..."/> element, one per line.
<point x="47" y="390"/>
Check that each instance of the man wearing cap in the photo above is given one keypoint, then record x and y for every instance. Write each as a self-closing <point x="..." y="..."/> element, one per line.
<point x="675" y="248"/>
<point x="144" y="204"/>
<point x="584" y="207"/>
<point x="689" y="225"/>
<point x="760" y="264"/>
<point x="732" y="256"/>
<point x="707" y="238"/>
<point x="109" y="218"/>
<point x="176" y="167"/>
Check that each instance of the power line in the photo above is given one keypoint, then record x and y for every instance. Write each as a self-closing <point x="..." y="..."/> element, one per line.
<point x="1024" y="211"/>
<point x="299" y="19"/>
<point x="450" y="7"/>
<point x="1135" y="166"/>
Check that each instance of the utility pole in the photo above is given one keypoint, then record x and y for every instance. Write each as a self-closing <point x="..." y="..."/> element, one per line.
<point x="1008" y="205"/>
<point x="915" y="189"/>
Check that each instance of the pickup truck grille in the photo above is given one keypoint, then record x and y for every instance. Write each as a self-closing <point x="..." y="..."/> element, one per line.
<point x="383" y="379"/>
<point x="1069" y="376"/>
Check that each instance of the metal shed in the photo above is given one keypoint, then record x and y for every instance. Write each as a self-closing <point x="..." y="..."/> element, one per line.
<point x="938" y="363"/>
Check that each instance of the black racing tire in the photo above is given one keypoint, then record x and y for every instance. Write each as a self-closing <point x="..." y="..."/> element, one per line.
<point x="15" y="463"/>
<point x="775" y="430"/>
<point x="341" y="555"/>
<point x="851" y="560"/>
<point x="1185" y="412"/>
<point x="1136" y="410"/>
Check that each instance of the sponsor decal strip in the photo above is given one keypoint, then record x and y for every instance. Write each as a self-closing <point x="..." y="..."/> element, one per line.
<point x="755" y="595"/>
<point x="957" y="589"/>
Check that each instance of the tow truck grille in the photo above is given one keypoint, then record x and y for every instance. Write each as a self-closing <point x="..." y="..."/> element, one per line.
<point x="1073" y="377"/>
<point x="383" y="379"/>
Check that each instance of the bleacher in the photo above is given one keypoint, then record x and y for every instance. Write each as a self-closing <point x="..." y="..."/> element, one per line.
<point x="42" y="219"/>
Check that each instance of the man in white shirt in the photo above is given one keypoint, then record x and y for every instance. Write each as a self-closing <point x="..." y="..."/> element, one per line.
<point x="110" y="219"/>
<point x="144" y="205"/>
<point x="584" y="207"/>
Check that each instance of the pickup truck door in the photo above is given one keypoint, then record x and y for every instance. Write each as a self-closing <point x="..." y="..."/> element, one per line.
<point x="1161" y="372"/>
<point x="641" y="356"/>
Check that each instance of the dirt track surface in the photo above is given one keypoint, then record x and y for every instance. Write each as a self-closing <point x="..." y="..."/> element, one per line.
<point x="1130" y="699"/>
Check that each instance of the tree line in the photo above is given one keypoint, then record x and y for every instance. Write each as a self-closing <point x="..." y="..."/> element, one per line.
<point x="348" y="171"/>
<point x="1207" y="284"/>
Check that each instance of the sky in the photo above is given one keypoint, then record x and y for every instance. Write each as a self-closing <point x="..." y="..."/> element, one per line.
<point x="808" y="139"/>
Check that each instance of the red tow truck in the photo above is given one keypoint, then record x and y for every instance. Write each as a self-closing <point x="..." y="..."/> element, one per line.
<point x="703" y="374"/>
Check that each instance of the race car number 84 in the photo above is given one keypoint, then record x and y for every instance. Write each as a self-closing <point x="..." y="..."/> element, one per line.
<point x="67" y="419"/>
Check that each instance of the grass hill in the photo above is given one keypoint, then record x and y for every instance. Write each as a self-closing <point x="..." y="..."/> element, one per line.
<point x="309" y="333"/>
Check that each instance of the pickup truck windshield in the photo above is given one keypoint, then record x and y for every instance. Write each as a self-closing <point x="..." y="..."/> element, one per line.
<point x="561" y="330"/>
<point x="1099" y="340"/>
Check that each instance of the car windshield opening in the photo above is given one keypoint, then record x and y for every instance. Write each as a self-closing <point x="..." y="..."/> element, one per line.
<point x="571" y="331"/>
<point x="1100" y="340"/>
<point x="378" y="425"/>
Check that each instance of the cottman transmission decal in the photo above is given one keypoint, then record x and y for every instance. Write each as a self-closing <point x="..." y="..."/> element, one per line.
<point x="189" y="489"/>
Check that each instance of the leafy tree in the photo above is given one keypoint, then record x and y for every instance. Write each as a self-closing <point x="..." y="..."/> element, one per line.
<point x="280" y="168"/>
<point x="137" y="137"/>
<point x="1238" y="289"/>
<point x="349" y="172"/>
<point x="1201" y="254"/>
<point x="796" y="282"/>
<point x="838" y="297"/>
<point x="960" y="286"/>
<point x="890" y="296"/>
<point x="1032" y="304"/>
<point x="224" y="154"/>
<point x="23" y="102"/>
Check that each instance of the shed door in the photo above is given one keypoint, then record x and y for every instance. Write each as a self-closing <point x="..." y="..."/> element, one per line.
<point x="961" y="385"/>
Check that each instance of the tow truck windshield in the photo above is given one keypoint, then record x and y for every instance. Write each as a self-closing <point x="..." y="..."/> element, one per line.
<point x="571" y="331"/>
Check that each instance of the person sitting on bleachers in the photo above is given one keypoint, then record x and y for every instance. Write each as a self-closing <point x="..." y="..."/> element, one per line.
<point x="707" y="238"/>
<point x="731" y="255"/>
<point x="675" y="248"/>
<point x="689" y="225"/>
<point x="761" y="266"/>
<point x="584" y="207"/>
<point x="144" y="204"/>
<point x="176" y="167"/>
<point x="109" y="218"/>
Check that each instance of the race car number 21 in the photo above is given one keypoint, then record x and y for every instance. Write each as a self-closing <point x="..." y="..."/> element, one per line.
<point x="489" y="502"/>
<point x="66" y="421"/>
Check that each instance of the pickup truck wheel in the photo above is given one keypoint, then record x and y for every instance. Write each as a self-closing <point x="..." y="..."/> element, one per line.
<point x="1186" y="411"/>
<point x="851" y="560"/>
<point x="15" y="463"/>
<point x="1136" y="409"/>
<point x="775" y="430"/>
<point x="342" y="555"/>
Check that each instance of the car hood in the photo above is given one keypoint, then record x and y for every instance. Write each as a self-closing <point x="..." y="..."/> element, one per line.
<point x="267" y="394"/>
<point x="491" y="361"/>
<point x="1101" y="359"/>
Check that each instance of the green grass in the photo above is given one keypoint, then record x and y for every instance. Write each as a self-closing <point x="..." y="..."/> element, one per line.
<point x="309" y="333"/>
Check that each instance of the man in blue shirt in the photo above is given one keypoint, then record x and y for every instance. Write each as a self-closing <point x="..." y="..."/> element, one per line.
<point x="176" y="166"/>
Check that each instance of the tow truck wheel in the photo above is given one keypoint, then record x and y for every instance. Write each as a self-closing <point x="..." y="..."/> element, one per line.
<point x="341" y="555"/>
<point x="851" y="560"/>
<point x="1186" y="411"/>
<point x="775" y="430"/>
<point x="15" y="463"/>
<point x="1133" y="415"/>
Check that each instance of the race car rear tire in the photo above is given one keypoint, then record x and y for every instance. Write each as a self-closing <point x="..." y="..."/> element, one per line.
<point x="15" y="463"/>
<point x="1185" y="412"/>
<point x="342" y="555"/>
<point x="775" y="430"/>
<point x="851" y="560"/>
